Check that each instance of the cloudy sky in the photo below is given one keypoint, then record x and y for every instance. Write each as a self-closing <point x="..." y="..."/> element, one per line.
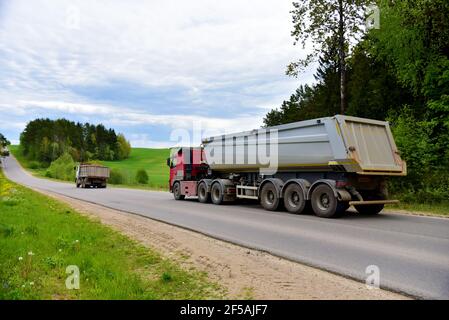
<point x="145" y="68"/>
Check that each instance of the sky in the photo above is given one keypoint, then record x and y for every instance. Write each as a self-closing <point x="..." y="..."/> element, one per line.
<point x="149" y="69"/>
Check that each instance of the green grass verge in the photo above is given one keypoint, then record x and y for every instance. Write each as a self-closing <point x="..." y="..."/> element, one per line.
<point x="40" y="237"/>
<point x="33" y="166"/>
<point x="431" y="209"/>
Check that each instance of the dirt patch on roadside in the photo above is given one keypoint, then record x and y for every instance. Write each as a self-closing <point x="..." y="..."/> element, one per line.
<point x="243" y="272"/>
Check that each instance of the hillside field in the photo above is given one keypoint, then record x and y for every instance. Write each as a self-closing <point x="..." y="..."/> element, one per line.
<point x="152" y="160"/>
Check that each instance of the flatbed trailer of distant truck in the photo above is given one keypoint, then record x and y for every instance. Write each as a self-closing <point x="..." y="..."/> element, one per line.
<point x="328" y="164"/>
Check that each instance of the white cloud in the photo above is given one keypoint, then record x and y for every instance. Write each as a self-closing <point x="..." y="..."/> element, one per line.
<point x="198" y="44"/>
<point x="131" y="117"/>
<point x="209" y="48"/>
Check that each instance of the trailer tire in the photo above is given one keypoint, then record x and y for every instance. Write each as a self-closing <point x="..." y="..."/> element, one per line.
<point x="325" y="204"/>
<point x="203" y="195"/>
<point x="294" y="200"/>
<point x="177" y="191"/>
<point x="216" y="193"/>
<point x="269" y="197"/>
<point x="370" y="209"/>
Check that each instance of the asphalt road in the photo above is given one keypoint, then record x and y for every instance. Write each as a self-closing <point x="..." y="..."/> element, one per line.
<point x="411" y="252"/>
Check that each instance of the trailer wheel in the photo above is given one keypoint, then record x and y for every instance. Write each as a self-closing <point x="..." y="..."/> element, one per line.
<point x="325" y="204"/>
<point x="294" y="200"/>
<point x="203" y="195"/>
<point x="177" y="191"/>
<point x="269" y="197"/>
<point x="372" y="209"/>
<point x="216" y="193"/>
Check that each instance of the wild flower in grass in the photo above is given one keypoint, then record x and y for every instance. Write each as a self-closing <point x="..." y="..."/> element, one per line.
<point x="20" y="258"/>
<point x="27" y="267"/>
<point x="76" y="245"/>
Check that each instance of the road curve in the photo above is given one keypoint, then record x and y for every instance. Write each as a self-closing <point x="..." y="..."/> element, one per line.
<point x="411" y="252"/>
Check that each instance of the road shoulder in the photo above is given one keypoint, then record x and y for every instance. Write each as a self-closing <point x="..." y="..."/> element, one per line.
<point x="245" y="273"/>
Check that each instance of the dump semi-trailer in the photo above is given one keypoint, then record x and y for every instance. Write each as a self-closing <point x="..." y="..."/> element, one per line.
<point x="328" y="163"/>
<point x="91" y="175"/>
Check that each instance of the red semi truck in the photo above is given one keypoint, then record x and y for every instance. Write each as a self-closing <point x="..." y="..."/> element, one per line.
<point x="328" y="163"/>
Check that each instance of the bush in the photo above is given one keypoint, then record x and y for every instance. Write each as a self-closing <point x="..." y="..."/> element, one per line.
<point x="427" y="179"/>
<point x="34" y="165"/>
<point x="116" y="177"/>
<point x="142" y="176"/>
<point x="62" y="168"/>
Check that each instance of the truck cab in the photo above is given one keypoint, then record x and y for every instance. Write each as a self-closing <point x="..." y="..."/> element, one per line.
<point x="187" y="167"/>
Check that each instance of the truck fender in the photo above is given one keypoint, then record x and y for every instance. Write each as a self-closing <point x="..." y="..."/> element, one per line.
<point x="278" y="184"/>
<point x="174" y="181"/>
<point x="305" y="185"/>
<point x="339" y="193"/>
<point x="208" y="183"/>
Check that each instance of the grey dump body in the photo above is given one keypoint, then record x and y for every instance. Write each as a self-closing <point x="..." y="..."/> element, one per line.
<point x="345" y="143"/>
<point x="93" y="171"/>
<point x="88" y="175"/>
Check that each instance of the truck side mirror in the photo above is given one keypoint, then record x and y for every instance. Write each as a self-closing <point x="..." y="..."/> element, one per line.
<point x="168" y="162"/>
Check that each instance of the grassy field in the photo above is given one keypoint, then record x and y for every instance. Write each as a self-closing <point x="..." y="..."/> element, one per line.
<point x="40" y="237"/>
<point x="153" y="161"/>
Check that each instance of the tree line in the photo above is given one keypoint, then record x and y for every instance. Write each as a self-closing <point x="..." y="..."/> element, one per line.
<point x="397" y="71"/>
<point x="45" y="140"/>
<point x="3" y="141"/>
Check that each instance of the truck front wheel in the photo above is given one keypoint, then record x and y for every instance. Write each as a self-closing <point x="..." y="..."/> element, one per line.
<point x="177" y="191"/>
<point x="325" y="204"/>
<point x="269" y="197"/>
